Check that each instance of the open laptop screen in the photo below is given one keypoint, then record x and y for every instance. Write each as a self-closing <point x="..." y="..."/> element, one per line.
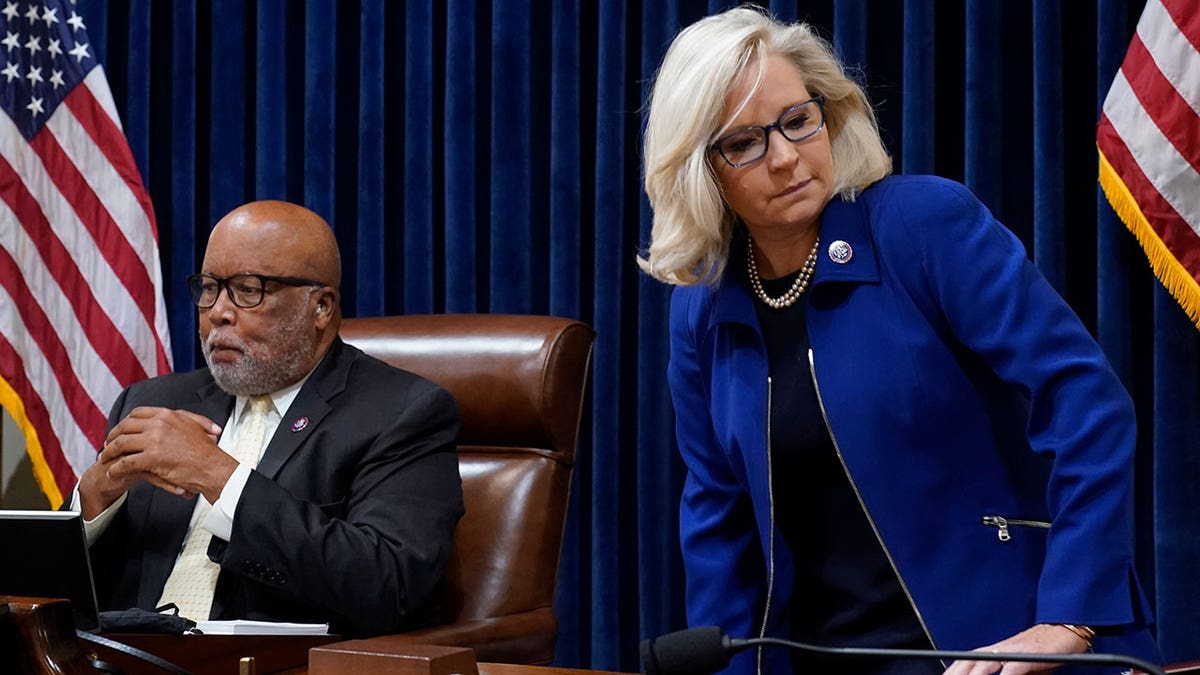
<point x="45" y="556"/>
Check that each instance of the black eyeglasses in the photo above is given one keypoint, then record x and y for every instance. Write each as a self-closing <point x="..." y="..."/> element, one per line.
<point x="245" y="290"/>
<point x="748" y="145"/>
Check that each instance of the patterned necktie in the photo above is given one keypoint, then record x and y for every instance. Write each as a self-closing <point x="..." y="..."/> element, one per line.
<point x="194" y="577"/>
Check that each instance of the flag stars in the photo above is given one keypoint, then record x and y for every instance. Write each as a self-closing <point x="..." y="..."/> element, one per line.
<point x="11" y="72"/>
<point x="34" y="76"/>
<point x="79" y="51"/>
<point x="54" y="48"/>
<point x="10" y="11"/>
<point x="35" y="107"/>
<point x="56" y="79"/>
<point x="76" y="22"/>
<point x="11" y="41"/>
<point x="50" y="16"/>
<point x="32" y="13"/>
<point x="34" y="45"/>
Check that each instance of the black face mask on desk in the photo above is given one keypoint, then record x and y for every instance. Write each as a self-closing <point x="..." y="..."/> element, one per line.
<point x="165" y="619"/>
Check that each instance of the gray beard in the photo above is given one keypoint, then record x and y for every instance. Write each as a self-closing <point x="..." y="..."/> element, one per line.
<point x="270" y="366"/>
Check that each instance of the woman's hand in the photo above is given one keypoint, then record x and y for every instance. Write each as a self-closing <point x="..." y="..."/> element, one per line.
<point x="1044" y="638"/>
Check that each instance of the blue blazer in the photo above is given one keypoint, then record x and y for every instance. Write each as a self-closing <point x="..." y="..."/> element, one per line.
<point x="959" y="388"/>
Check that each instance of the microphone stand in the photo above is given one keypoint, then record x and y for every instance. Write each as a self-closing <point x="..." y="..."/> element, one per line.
<point x="737" y="645"/>
<point x="706" y="649"/>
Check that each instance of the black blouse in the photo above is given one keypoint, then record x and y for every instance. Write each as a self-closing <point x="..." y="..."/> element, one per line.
<point x="846" y="592"/>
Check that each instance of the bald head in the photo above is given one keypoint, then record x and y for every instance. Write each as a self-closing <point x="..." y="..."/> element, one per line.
<point x="290" y="324"/>
<point x="277" y="238"/>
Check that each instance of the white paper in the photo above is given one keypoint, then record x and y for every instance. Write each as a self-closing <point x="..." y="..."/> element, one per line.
<point x="244" y="627"/>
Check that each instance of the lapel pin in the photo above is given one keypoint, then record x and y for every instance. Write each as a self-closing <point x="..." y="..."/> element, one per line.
<point x="840" y="252"/>
<point x="300" y="424"/>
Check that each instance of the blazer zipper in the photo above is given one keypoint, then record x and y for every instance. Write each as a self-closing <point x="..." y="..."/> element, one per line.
<point x="762" y="631"/>
<point x="1002" y="524"/>
<point x="812" y="369"/>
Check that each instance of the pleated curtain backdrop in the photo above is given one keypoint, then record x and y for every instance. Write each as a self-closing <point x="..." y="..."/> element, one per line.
<point x="485" y="157"/>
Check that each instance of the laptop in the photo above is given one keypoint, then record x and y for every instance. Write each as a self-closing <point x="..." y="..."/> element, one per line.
<point x="45" y="556"/>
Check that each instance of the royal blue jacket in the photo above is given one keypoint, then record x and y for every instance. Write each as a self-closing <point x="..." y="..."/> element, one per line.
<point x="959" y="389"/>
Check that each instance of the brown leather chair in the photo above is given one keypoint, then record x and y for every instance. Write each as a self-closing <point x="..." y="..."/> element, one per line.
<point x="519" y="381"/>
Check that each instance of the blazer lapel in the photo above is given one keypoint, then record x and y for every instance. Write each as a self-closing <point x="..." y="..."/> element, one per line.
<point x="306" y="412"/>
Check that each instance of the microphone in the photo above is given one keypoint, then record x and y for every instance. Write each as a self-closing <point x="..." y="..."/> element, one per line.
<point x="706" y="650"/>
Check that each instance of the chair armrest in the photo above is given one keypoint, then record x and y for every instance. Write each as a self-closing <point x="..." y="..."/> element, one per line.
<point x="525" y="638"/>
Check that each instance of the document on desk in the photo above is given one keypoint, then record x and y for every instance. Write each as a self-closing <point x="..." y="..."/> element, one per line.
<point x="244" y="627"/>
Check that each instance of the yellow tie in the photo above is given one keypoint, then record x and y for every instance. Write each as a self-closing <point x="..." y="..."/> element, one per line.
<point x="194" y="577"/>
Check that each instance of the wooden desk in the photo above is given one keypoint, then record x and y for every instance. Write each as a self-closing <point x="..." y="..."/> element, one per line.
<point x="273" y="655"/>
<point x="37" y="636"/>
<point x="215" y="654"/>
<point x="372" y="657"/>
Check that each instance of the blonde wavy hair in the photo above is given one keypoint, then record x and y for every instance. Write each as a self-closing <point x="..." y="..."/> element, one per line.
<point x="693" y="225"/>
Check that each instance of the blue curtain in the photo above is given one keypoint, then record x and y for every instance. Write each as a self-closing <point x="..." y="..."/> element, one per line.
<point x="484" y="157"/>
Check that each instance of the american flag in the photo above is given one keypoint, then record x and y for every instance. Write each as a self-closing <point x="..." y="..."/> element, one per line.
<point x="81" y="303"/>
<point x="1149" y="142"/>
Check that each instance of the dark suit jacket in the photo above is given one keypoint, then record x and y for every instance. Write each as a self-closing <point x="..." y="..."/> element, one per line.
<point x="347" y="520"/>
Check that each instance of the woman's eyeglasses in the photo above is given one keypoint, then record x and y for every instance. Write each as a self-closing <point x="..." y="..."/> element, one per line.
<point x="750" y="144"/>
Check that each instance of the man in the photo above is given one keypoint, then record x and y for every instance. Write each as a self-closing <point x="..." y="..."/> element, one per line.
<point x="293" y="479"/>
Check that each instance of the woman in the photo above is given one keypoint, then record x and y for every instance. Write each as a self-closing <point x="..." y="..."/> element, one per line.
<point x="896" y="433"/>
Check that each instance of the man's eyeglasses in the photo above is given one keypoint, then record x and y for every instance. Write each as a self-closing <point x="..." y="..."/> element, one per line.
<point x="245" y="290"/>
<point x="748" y="145"/>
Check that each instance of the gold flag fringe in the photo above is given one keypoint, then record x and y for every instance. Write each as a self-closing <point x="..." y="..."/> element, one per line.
<point x="1178" y="281"/>
<point x="41" y="469"/>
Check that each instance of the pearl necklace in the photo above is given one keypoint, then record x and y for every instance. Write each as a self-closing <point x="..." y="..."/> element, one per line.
<point x="798" y="286"/>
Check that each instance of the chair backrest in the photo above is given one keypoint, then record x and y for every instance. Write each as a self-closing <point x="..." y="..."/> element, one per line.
<point x="519" y="382"/>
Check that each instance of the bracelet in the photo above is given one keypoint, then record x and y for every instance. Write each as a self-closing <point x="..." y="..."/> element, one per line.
<point x="1084" y="633"/>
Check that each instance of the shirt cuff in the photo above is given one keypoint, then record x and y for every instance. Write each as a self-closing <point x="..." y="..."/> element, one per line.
<point x="219" y="520"/>
<point x="92" y="529"/>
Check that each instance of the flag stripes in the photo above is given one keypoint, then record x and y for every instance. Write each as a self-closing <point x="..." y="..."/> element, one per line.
<point x="100" y="122"/>
<point x="113" y="351"/>
<point x="81" y="304"/>
<point x="1149" y="143"/>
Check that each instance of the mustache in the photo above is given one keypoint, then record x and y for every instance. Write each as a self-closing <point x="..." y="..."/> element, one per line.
<point x="223" y="339"/>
